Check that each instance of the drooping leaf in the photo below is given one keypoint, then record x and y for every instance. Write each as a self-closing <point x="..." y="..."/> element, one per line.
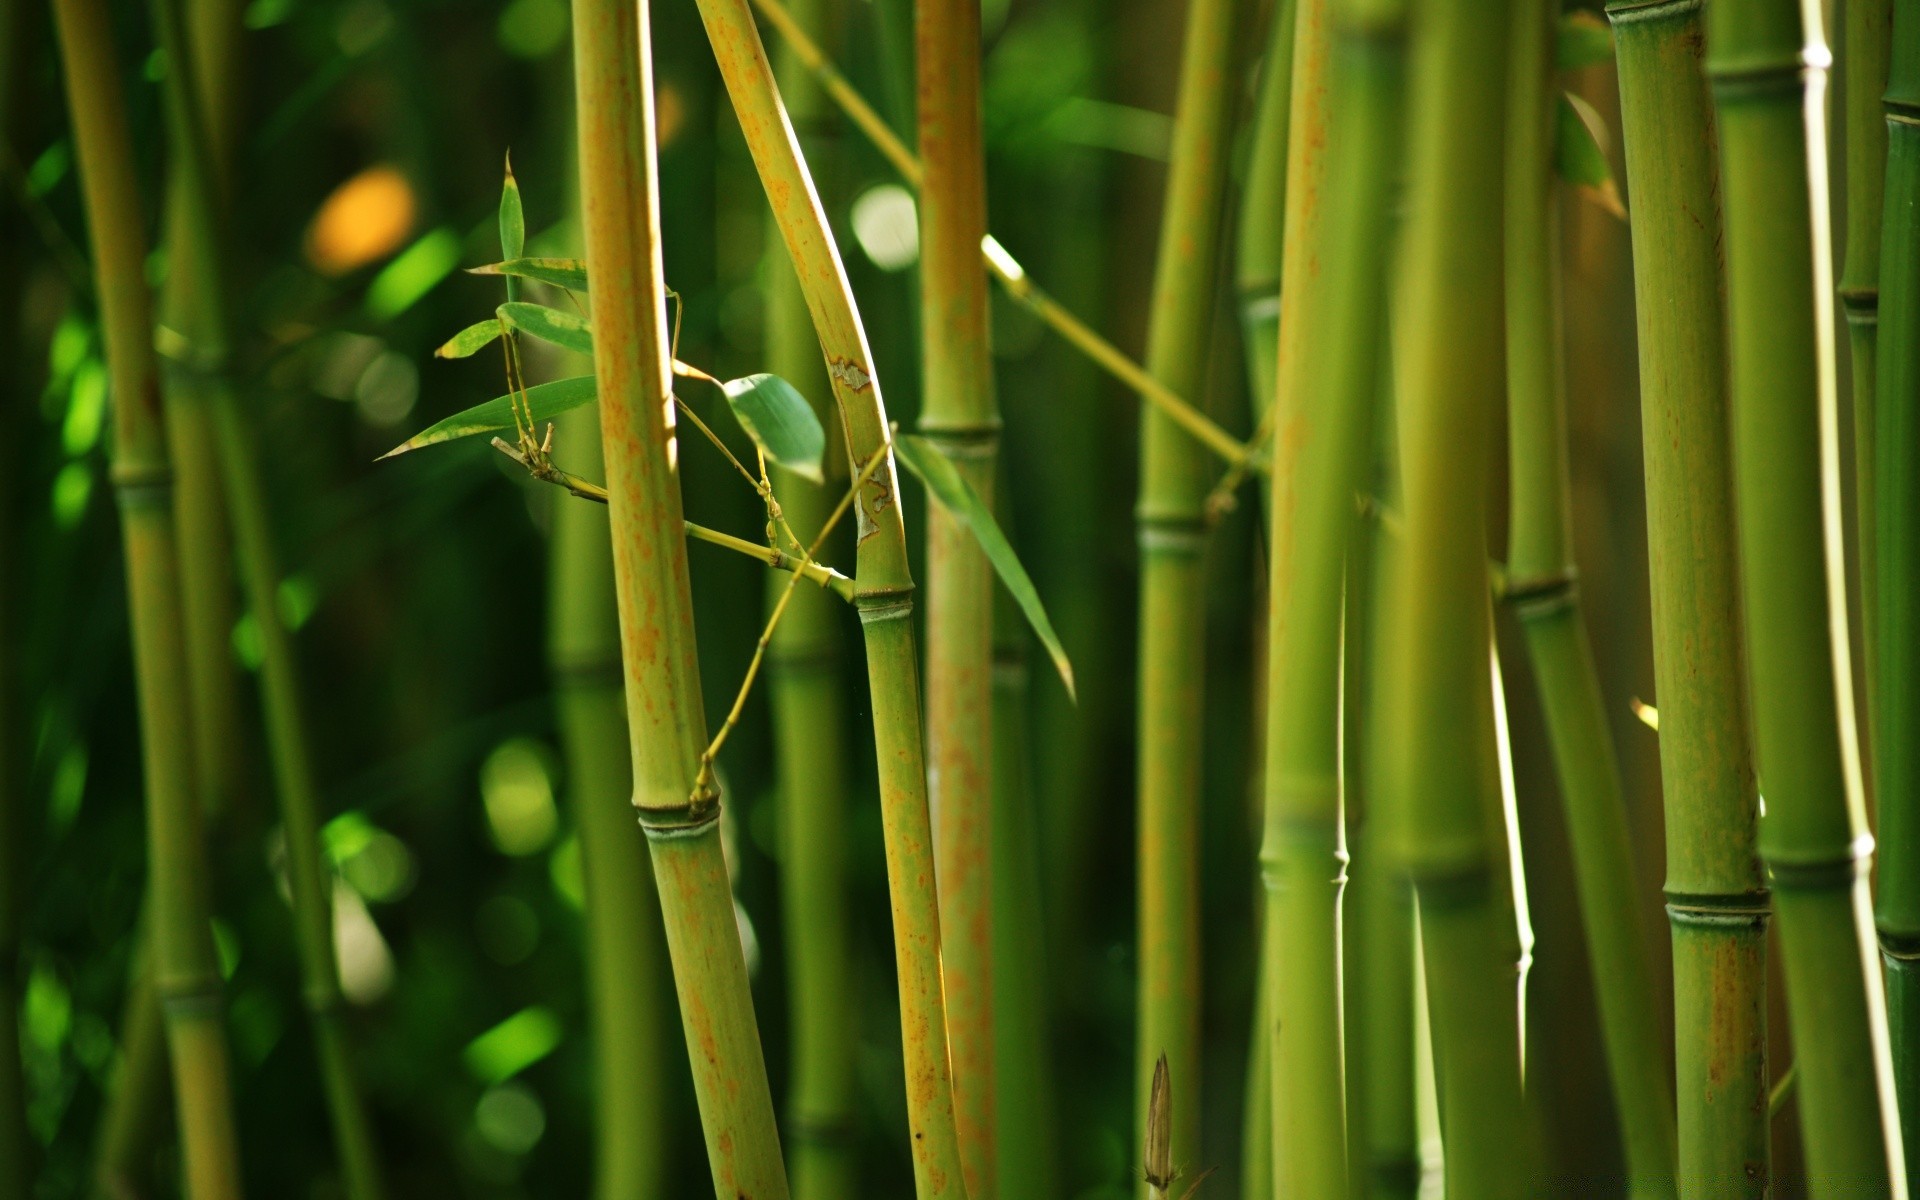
<point x="779" y="419"/>
<point x="1585" y="40"/>
<point x="471" y="340"/>
<point x="564" y="329"/>
<point x="957" y="496"/>
<point x="1580" y="155"/>
<point x="513" y="219"/>
<point x="545" y="400"/>
<point x="568" y="273"/>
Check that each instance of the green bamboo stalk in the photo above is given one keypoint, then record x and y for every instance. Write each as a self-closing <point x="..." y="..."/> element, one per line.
<point x="626" y="960"/>
<point x="1542" y="588"/>
<point x="1896" y="656"/>
<point x="1439" y="780"/>
<point x="123" y="1152"/>
<point x="1263" y="200"/>
<point x="1766" y="62"/>
<point x="198" y="349"/>
<point x="1866" y="48"/>
<point x="186" y="976"/>
<point x="1717" y="900"/>
<point x="959" y="412"/>
<point x="613" y="68"/>
<point x="807" y="697"/>
<point x="883" y="590"/>
<point x="1171" y="519"/>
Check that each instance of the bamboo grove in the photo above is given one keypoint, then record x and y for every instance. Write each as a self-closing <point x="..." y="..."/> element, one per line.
<point x="960" y="598"/>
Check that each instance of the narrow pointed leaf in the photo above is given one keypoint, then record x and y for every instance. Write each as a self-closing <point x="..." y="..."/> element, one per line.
<point x="779" y="419"/>
<point x="545" y="400"/>
<point x="956" y="495"/>
<point x="564" y="329"/>
<point x="1580" y="155"/>
<point x="568" y="273"/>
<point x="471" y="340"/>
<point x="1585" y="40"/>
<point x="513" y="220"/>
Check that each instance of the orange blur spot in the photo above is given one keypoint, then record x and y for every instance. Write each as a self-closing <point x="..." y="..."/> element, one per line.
<point x="365" y="219"/>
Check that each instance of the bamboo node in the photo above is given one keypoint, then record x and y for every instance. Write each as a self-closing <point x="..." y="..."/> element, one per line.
<point x="1167" y="533"/>
<point x="1900" y="945"/>
<point x="889" y="605"/>
<point x="1822" y="874"/>
<point x="1542" y="595"/>
<point x="140" y="486"/>
<point x="1719" y="911"/>
<point x="688" y="820"/>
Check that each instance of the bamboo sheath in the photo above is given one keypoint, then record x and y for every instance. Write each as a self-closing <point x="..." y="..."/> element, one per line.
<point x="958" y="411"/>
<point x="1896" y="653"/>
<point x="883" y="589"/>
<point x="1542" y="588"/>
<point x="1171" y="522"/>
<point x="1717" y="900"/>
<point x="666" y="727"/>
<point x="807" y="697"/>
<point x="1439" y="780"/>
<point x="1766" y="61"/>
<point x="186" y="976"/>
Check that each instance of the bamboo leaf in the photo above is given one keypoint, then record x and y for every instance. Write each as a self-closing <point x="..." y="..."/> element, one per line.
<point x="545" y="401"/>
<point x="568" y="273"/>
<point x="513" y="219"/>
<point x="1585" y="40"/>
<point x="567" y="330"/>
<point x="778" y="418"/>
<point x="957" y="496"/>
<point x="1580" y="154"/>
<point x="471" y="340"/>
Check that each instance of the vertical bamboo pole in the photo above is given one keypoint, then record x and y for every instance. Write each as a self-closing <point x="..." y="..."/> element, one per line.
<point x="1766" y="60"/>
<point x="883" y="589"/>
<point x="613" y="73"/>
<point x="1439" y="777"/>
<point x="1866" y="48"/>
<point x="197" y="369"/>
<point x="807" y="697"/>
<point x="959" y="412"/>
<point x="186" y="975"/>
<point x="1263" y="200"/>
<point x="628" y="992"/>
<point x="1716" y="894"/>
<point x="1542" y="588"/>
<point x="1172" y="638"/>
<point x="1896" y="659"/>
<point x="16" y="1178"/>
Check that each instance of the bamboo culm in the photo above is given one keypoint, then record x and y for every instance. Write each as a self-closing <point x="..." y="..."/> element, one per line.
<point x="1765" y="61"/>
<point x="186" y="975"/>
<point x="1866" y="48"/>
<point x="883" y="591"/>
<point x="1171" y="522"/>
<point x="1717" y="902"/>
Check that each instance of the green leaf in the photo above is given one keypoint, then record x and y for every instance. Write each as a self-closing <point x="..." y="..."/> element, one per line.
<point x="956" y="495"/>
<point x="564" y="329"/>
<point x="779" y="419"/>
<point x="1579" y="154"/>
<point x="545" y="400"/>
<point x="568" y="273"/>
<point x="513" y="219"/>
<point x="471" y="340"/>
<point x="1584" y="40"/>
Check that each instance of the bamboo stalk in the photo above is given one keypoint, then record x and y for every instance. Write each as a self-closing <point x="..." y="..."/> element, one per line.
<point x="883" y="590"/>
<point x="1263" y="200"/>
<point x="959" y="412"/>
<point x="1766" y="61"/>
<point x="1171" y="522"/>
<point x="1542" y="588"/>
<point x="626" y="959"/>
<point x="1717" y="900"/>
<point x="666" y="727"/>
<point x="1439" y="780"/>
<point x="186" y="976"/>
<point x="199" y="347"/>
<point x="808" y="699"/>
<point x="1896" y="656"/>
<point x="1866" y="48"/>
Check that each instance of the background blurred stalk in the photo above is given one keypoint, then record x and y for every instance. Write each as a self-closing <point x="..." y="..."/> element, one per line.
<point x="958" y="411"/>
<point x="1866" y="48"/>
<point x="1766" y="61"/>
<point x="196" y="344"/>
<point x="1263" y="200"/>
<point x="1439" y="779"/>
<point x="806" y="692"/>
<point x="666" y="725"/>
<point x="628" y="994"/>
<point x="1717" y="898"/>
<point x="883" y="590"/>
<point x="1542" y="588"/>
<point x="1174" y="479"/>
<point x="186" y="975"/>
<point x="1896" y="743"/>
